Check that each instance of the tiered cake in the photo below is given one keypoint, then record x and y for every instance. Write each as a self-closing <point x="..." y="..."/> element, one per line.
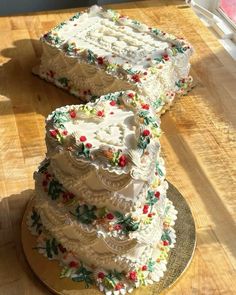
<point x="101" y="207"/>
<point x="100" y="51"/>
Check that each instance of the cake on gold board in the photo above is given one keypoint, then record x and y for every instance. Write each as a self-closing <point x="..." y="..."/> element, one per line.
<point x="101" y="207"/>
<point x="101" y="210"/>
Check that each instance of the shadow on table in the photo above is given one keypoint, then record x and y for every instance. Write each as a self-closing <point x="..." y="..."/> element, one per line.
<point x="16" y="275"/>
<point x="24" y="92"/>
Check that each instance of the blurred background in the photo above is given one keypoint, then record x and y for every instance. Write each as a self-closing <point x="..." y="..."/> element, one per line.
<point x="10" y="7"/>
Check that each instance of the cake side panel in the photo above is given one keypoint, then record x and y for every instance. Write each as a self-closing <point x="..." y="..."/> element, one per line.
<point x="79" y="78"/>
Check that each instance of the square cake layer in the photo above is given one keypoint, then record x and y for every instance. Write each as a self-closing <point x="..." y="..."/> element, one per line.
<point x="100" y="51"/>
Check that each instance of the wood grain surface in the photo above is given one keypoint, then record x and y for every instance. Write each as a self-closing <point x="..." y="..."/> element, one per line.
<point x="199" y="143"/>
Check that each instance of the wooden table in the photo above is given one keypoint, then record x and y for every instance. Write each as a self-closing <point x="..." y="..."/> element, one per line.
<point x="199" y="143"/>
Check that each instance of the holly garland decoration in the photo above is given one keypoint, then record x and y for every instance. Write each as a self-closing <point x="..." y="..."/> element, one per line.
<point x="54" y="189"/>
<point x="59" y="118"/>
<point x="82" y="274"/>
<point x="36" y="221"/>
<point x="127" y="223"/>
<point x="64" y="82"/>
<point x="53" y="38"/>
<point x="76" y="16"/>
<point x="152" y="198"/>
<point x="84" y="149"/>
<point x="51" y="247"/>
<point x="91" y="56"/>
<point x="158" y="169"/>
<point x="85" y="213"/>
<point x="166" y="237"/>
<point x="144" y="139"/>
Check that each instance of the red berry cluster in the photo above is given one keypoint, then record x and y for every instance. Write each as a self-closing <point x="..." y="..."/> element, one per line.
<point x="73" y="264"/>
<point x="133" y="276"/>
<point x="131" y="95"/>
<point x="145" y="106"/>
<point x="146" y="132"/>
<point x="145" y="209"/>
<point x="110" y="216"/>
<point x="54" y="132"/>
<point x="122" y="161"/>
<point x="67" y="196"/>
<point x="117" y="227"/>
<point x="101" y="275"/>
<point x="72" y="114"/>
<point x="165" y="57"/>
<point x="113" y="103"/>
<point x="136" y="78"/>
<point x="100" y="60"/>
<point x="101" y="113"/>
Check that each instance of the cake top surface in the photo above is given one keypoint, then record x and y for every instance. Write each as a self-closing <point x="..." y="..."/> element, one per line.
<point x="119" y="132"/>
<point x="120" y="45"/>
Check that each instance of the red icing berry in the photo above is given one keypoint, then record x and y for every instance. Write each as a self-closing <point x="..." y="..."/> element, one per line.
<point x="82" y="138"/>
<point x="123" y="161"/>
<point x="110" y="216"/>
<point x="136" y="78"/>
<point x="88" y="145"/>
<point x="144" y="267"/>
<point x="101" y="275"/>
<point x="146" y="132"/>
<point x="117" y="227"/>
<point x="73" y="264"/>
<point x="45" y="183"/>
<point x="48" y="176"/>
<point x="165" y="243"/>
<point x="71" y="195"/>
<point x="145" y="73"/>
<point x="145" y="106"/>
<point x="113" y="103"/>
<point x="118" y="286"/>
<point x="53" y="133"/>
<point x="145" y="209"/>
<point x="72" y="114"/>
<point x="131" y="95"/>
<point x="65" y="196"/>
<point x="65" y="132"/>
<point x="165" y="57"/>
<point x="149" y="214"/>
<point x="100" y="113"/>
<point x="157" y="195"/>
<point x="61" y="248"/>
<point x="111" y="113"/>
<point x="51" y="74"/>
<point x="133" y="276"/>
<point x="100" y="60"/>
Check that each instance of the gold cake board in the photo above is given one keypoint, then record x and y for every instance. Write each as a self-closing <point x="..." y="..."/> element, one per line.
<point x="48" y="271"/>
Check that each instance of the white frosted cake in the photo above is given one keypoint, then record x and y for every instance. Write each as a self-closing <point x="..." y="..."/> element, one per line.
<point x="100" y="51"/>
<point x="101" y="207"/>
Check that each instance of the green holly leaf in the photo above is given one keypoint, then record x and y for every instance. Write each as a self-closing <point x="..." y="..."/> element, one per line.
<point x="54" y="246"/>
<point x="63" y="81"/>
<point x="48" y="249"/>
<point x="54" y="189"/>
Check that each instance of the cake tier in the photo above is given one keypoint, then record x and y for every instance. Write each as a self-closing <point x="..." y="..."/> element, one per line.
<point x="99" y="52"/>
<point x="110" y="144"/>
<point x="97" y="235"/>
